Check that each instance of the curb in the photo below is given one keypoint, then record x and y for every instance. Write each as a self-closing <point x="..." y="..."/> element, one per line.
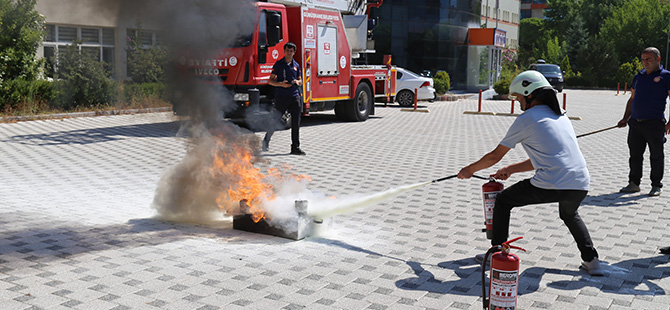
<point x="453" y="97"/>
<point x="7" y="119"/>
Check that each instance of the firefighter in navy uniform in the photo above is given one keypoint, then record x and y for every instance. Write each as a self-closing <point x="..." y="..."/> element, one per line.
<point x="548" y="138"/>
<point x="645" y="118"/>
<point x="286" y="78"/>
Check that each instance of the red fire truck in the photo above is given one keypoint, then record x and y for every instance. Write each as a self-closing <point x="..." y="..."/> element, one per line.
<point x="329" y="35"/>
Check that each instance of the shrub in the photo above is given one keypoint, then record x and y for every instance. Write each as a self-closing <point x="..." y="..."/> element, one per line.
<point x="83" y="80"/>
<point x="147" y="65"/>
<point x="507" y="74"/>
<point x="137" y="91"/>
<point x="627" y="71"/>
<point x="25" y="96"/>
<point x="578" y="80"/>
<point x="441" y="82"/>
<point x="502" y="86"/>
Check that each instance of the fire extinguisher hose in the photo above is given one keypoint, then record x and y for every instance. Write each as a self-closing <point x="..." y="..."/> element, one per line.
<point x="597" y="131"/>
<point x="455" y="175"/>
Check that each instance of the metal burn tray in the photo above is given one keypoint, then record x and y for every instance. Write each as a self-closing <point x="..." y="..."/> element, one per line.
<point x="294" y="227"/>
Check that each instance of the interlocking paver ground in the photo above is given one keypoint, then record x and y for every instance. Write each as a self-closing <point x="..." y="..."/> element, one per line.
<point x="78" y="230"/>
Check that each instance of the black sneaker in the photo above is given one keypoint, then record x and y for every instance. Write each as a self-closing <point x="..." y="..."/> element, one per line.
<point x="665" y="250"/>
<point x="297" y="151"/>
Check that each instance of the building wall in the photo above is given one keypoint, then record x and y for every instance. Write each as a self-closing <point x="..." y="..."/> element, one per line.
<point x="533" y="8"/>
<point x="507" y="19"/>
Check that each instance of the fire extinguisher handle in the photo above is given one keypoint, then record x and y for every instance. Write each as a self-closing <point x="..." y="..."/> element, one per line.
<point x="517" y="248"/>
<point x="506" y="244"/>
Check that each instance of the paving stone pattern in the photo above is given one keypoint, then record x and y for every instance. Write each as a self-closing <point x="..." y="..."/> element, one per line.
<point x="78" y="231"/>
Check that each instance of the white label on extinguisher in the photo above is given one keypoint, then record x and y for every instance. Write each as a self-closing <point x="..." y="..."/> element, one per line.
<point x="503" y="290"/>
<point x="489" y="203"/>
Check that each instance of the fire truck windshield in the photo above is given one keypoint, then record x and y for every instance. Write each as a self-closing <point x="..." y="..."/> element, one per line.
<point x="243" y="40"/>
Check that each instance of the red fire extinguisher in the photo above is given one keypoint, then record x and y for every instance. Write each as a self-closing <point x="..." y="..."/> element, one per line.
<point x="504" y="283"/>
<point x="489" y="192"/>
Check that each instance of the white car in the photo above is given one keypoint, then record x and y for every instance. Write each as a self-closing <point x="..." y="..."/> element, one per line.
<point x="407" y="81"/>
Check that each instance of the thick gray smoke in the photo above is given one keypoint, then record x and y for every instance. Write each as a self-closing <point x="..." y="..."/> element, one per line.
<point x="198" y="29"/>
<point x="195" y="190"/>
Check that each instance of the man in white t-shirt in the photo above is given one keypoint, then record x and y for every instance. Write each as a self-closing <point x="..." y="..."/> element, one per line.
<point x="561" y="175"/>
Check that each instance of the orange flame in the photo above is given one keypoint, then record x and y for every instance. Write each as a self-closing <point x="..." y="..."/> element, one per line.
<point x="234" y="165"/>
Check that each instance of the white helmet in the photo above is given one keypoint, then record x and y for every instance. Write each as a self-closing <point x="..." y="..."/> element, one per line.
<point x="527" y="82"/>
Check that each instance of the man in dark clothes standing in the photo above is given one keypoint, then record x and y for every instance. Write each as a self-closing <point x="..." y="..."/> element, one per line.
<point x="286" y="78"/>
<point x="645" y="116"/>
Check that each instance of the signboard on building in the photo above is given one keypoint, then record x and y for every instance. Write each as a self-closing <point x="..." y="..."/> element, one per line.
<point x="487" y="36"/>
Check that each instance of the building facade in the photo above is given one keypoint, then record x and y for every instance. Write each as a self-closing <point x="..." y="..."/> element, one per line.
<point x="103" y="27"/>
<point x="419" y="34"/>
<point x="533" y="8"/>
<point x="434" y="35"/>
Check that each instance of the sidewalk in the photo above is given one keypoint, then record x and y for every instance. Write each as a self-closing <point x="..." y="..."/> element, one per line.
<point x="78" y="229"/>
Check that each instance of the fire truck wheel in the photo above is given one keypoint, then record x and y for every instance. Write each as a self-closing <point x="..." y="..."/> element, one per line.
<point x="359" y="109"/>
<point x="405" y="98"/>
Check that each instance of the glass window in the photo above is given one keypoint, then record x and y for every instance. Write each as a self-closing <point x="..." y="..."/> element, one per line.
<point x="67" y="34"/>
<point x="262" y="30"/>
<point x="93" y="52"/>
<point x="97" y="43"/>
<point x="108" y="36"/>
<point x="50" y="33"/>
<point x="146" y="38"/>
<point x="50" y="58"/>
<point x="108" y="55"/>
<point x="90" y="35"/>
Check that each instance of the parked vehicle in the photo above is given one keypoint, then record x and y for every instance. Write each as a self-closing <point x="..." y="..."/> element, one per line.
<point x="553" y="73"/>
<point x="407" y="82"/>
<point x="328" y="37"/>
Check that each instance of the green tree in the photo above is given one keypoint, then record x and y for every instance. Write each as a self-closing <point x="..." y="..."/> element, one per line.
<point x="21" y="31"/>
<point x="566" y="67"/>
<point x="596" y="59"/>
<point x="595" y="12"/>
<point x="533" y="39"/>
<point x="575" y="37"/>
<point x="554" y="51"/>
<point x="636" y="25"/>
<point x="562" y="14"/>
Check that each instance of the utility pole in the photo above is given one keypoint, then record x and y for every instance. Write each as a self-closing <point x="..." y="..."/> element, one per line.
<point x="497" y="10"/>
<point x="487" y="15"/>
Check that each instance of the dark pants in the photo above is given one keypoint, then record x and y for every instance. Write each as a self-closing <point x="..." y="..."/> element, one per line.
<point x="640" y="134"/>
<point x="294" y="106"/>
<point x="524" y="193"/>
